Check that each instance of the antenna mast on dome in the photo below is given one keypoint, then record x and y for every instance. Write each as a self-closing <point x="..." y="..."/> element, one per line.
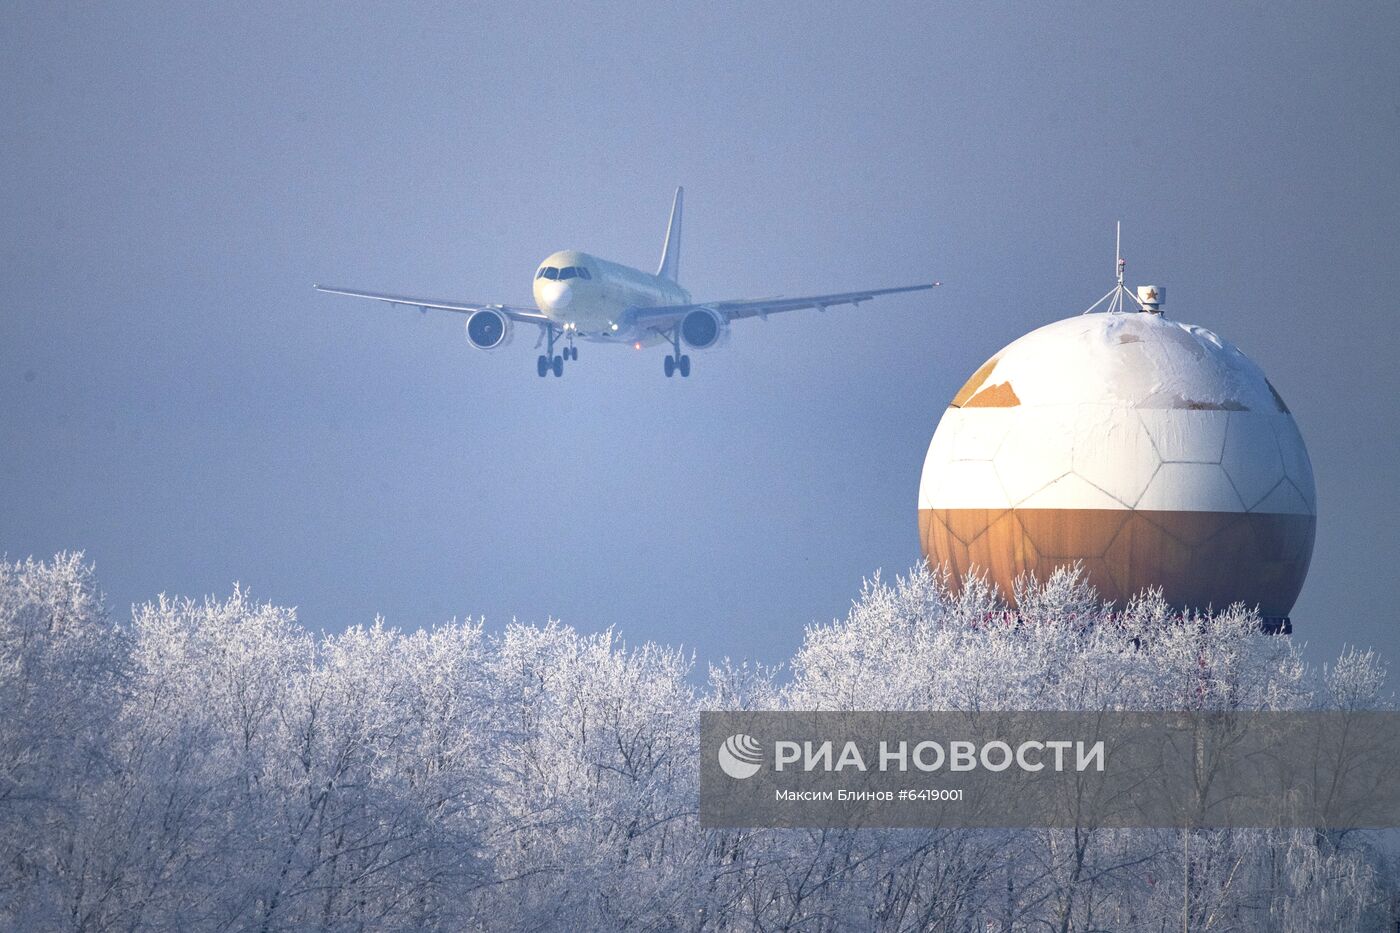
<point x="1117" y="293"/>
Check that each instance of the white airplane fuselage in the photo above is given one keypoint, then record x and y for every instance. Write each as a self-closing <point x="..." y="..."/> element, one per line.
<point x="581" y="297"/>
<point x="591" y="304"/>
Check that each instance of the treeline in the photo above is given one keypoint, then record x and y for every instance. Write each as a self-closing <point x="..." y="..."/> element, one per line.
<point x="213" y="766"/>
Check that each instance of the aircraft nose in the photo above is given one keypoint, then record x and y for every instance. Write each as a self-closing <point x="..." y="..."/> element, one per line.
<point x="556" y="294"/>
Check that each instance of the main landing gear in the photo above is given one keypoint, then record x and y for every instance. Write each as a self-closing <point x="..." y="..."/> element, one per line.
<point x="549" y="362"/>
<point x="677" y="362"/>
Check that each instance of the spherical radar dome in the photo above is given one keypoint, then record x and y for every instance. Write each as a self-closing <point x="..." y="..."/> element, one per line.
<point x="1151" y="451"/>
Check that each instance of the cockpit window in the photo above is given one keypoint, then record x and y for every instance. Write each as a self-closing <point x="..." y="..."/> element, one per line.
<point x="568" y="272"/>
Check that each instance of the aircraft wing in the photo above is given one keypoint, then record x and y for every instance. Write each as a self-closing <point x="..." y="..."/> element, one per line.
<point x="665" y="315"/>
<point x="460" y="307"/>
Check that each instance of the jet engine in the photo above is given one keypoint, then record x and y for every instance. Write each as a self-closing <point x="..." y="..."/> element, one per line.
<point x="704" y="328"/>
<point x="488" y="329"/>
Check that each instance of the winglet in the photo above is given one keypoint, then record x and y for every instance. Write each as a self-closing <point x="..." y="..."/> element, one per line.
<point x="670" y="267"/>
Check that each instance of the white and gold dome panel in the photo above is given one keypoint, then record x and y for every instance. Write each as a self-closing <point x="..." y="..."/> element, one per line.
<point x="1151" y="451"/>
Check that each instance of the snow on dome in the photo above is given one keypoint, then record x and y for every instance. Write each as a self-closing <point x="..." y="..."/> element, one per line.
<point x="1135" y="360"/>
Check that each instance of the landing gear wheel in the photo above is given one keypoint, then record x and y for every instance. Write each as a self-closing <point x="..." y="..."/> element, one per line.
<point x="685" y="366"/>
<point x="558" y="366"/>
<point x="670" y="366"/>
<point x="542" y="365"/>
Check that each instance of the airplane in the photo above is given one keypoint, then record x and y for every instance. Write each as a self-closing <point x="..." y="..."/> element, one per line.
<point x="581" y="297"/>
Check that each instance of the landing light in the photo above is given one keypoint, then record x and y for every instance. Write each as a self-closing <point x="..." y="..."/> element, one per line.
<point x="637" y="345"/>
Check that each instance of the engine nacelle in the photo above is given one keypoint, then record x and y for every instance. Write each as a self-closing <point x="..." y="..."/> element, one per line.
<point x="489" y="329"/>
<point x="704" y="329"/>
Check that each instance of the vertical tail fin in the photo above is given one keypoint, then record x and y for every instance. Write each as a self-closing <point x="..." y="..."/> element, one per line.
<point x="671" y="252"/>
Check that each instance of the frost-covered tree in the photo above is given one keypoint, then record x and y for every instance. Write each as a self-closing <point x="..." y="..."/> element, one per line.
<point x="211" y="765"/>
<point x="597" y="765"/>
<point x="63" y="683"/>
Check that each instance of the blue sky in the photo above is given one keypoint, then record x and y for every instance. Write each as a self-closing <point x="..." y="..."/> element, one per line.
<point x="175" y="399"/>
